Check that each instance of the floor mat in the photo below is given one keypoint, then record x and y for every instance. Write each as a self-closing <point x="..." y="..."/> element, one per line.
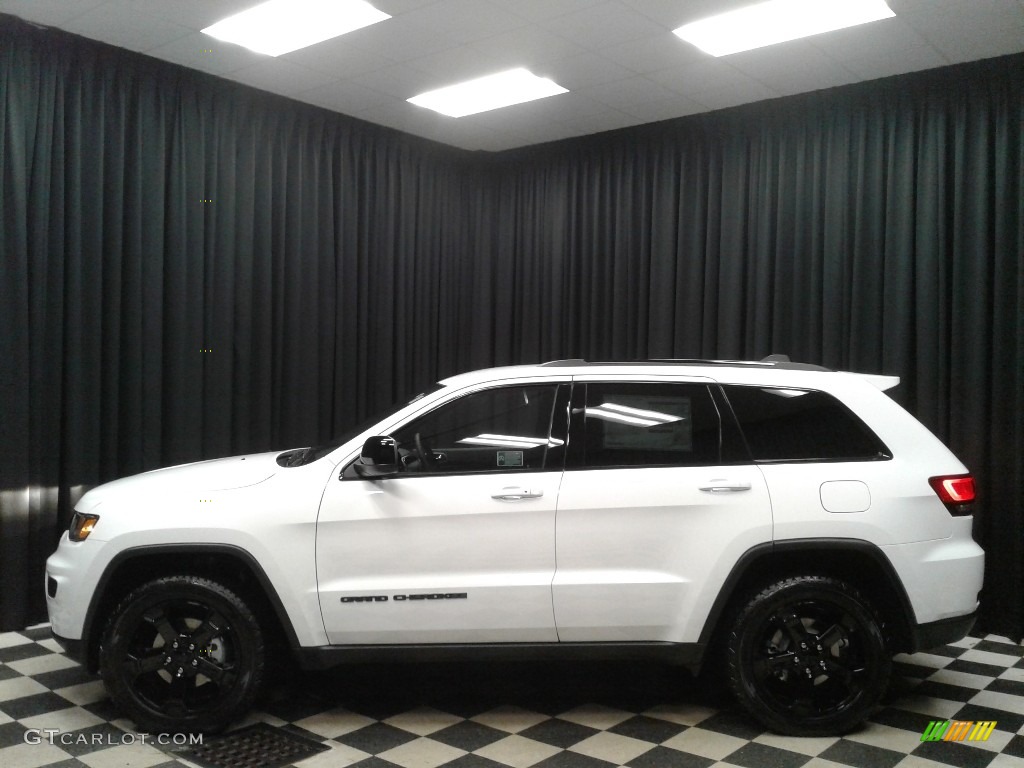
<point x="257" y="746"/>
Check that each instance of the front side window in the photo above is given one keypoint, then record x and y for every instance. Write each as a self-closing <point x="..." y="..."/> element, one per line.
<point x="640" y="424"/>
<point x="506" y="429"/>
<point x="801" y="425"/>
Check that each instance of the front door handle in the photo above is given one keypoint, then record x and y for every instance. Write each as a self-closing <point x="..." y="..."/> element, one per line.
<point x="515" y="493"/>
<point x="722" y="485"/>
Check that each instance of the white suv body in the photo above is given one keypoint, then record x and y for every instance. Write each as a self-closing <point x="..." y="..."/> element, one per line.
<point x="744" y="510"/>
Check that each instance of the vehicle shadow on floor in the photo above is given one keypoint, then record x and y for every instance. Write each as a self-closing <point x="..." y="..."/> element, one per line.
<point x="470" y="688"/>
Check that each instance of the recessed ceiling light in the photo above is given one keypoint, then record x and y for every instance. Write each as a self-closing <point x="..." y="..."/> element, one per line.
<point x="279" y="26"/>
<point x="485" y="93"/>
<point x="777" y="21"/>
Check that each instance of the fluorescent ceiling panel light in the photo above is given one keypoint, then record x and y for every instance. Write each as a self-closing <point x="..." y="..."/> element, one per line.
<point x="506" y="441"/>
<point x="658" y="416"/>
<point x="280" y="26"/>
<point x="503" y="89"/>
<point x="777" y="21"/>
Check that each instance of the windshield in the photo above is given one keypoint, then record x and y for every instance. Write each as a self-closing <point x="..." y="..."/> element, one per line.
<point x="319" y="451"/>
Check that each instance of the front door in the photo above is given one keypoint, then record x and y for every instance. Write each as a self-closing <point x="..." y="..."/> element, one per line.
<point x="459" y="547"/>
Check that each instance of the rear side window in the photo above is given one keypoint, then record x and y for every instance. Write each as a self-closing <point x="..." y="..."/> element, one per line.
<point x="801" y="425"/>
<point x="643" y="425"/>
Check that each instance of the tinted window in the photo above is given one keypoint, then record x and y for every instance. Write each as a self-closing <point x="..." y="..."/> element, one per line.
<point x="633" y="425"/>
<point x="801" y="425"/>
<point x="505" y="429"/>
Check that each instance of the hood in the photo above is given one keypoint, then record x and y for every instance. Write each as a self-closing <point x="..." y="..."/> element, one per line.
<point x="212" y="475"/>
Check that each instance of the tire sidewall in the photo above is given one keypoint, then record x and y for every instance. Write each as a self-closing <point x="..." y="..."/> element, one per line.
<point x="748" y="633"/>
<point x="247" y="649"/>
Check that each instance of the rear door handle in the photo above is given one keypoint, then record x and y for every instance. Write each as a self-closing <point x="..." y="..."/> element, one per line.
<point x="515" y="493"/>
<point x="722" y="485"/>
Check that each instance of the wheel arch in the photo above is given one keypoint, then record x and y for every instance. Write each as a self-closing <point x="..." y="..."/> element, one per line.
<point x="231" y="565"/>
<point x="858" y="562"/>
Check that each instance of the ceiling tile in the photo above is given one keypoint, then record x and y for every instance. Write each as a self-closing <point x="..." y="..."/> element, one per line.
<point x="399" y="80"/>
<point x="543" y="133"/>
<point x="48" y="12"/>
<point x="457" y="64"/>
<point x="431" y="125"/>
<point x="654" y="111"/>
<point x="528" y="46"/>
<point x="650" y="54"/>
<point x="1000" y="42"/>
<point x="901" y="7"/>
<point x="604" y="25"/>
<point x="557" y="132"/>
<point x="198" y="13"/>
<point x="911" y="59"/>
<point x="207" y="54"/>
<point x="609" y="120"/>
<point x="544" y="10"/>
<point x="964" y="36"/>
<point x="397" y="7"/>
<point x="792" y="67"/>
<point x="625" y="94"/>
<point x="405" y="37"/>
<point x="345" y="97"/>
<point x="394" y="113"/>
<point x="671" y="14"/>
<point x="583" y="70"/>
<point x="574" y="107"/>
<point x="338" y="57"/>
<point x="120" y="23"/>
<point x="874" y="39"/>
<point x="471" y="19"/>
<point x="281" y="77"/>
<point x="733" y="95"/>
<point x="524" y="120"/>
<point x="700" y="76"/>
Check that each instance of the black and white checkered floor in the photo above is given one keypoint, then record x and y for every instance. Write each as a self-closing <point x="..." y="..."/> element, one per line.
<point x="585" y="715"/>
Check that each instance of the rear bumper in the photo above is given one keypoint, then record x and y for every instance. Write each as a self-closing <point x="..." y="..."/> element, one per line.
<point x="936" y="633"/>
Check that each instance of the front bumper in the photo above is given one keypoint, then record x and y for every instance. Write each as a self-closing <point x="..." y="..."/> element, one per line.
<point x="73" y="649"/>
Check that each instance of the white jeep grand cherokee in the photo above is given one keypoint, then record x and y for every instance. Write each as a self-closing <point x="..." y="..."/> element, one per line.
<point x="792" y="523"/>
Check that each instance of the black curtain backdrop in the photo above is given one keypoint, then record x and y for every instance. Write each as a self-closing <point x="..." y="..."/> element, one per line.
<point x="191" y="268"/>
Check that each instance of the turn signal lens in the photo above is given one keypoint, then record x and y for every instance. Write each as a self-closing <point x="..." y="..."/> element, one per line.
<point x="81" y="526"/>
<point x="955" y="491"/>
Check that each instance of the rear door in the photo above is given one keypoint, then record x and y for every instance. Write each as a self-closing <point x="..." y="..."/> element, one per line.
<point x="658" y="500"/>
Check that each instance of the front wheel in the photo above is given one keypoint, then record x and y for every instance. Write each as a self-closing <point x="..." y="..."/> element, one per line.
<point x="806" y="656"/>
<point x="182" y="654"/>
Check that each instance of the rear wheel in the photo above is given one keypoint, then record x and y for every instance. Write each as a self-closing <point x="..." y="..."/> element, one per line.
<point x="182" y="654"/>
<point x="806" y="656"/>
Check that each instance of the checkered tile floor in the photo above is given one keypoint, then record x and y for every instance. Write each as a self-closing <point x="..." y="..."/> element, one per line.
<point x="585" y="715"/>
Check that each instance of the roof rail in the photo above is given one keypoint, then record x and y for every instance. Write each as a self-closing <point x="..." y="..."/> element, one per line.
<point x="772" y="361"/>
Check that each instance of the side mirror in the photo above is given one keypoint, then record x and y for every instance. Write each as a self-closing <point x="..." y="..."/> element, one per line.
<point x="379" y="458"/>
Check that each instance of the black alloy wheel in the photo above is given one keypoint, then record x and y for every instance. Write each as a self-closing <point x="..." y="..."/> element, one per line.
<point x="182" y="654"/>
<point x="806" y="656"/>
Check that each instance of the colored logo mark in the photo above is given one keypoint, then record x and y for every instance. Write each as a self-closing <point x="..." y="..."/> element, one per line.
<point x="958" y="730"/>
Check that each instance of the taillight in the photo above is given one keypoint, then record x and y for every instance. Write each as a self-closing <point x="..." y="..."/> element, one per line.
<point x="955" y="491"/>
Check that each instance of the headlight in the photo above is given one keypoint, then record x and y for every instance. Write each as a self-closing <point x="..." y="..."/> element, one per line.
<point x="81" y="526"/>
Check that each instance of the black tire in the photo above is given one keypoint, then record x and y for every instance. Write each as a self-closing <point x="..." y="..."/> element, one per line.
<point x="182" y="654"/>
<point x="806" y="656"/>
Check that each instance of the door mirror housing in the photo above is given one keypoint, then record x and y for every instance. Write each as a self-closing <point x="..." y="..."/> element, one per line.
<point x="379" y="458"/>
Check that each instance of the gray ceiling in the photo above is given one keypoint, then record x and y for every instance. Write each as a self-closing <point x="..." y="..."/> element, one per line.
<point x="619" y="58"/>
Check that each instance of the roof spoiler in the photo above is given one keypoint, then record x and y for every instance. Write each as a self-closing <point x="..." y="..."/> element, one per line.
<point x="880" y="381"/>
<point x="876" y="380"/>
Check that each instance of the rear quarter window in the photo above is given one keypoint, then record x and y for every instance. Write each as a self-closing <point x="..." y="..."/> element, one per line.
<point x="801" y="425"/>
